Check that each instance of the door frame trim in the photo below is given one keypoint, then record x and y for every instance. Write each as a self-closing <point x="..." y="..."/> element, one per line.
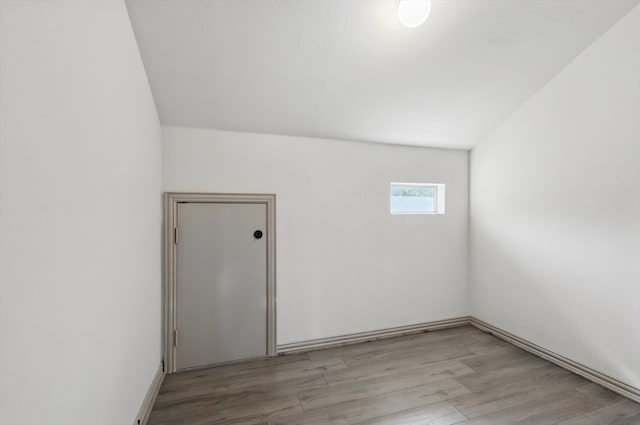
<point x="171" y="201"/>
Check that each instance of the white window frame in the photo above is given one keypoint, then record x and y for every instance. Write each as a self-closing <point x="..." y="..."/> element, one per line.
<point x="438" y="202"/>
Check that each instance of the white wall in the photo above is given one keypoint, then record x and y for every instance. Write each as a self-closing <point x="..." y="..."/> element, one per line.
<point x="344" y="264"/>
<point x="555" y="228"/>
<point x="79" y="218"/>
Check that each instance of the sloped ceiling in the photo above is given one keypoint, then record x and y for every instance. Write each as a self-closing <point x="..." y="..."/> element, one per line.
<point x="347" y="69"/>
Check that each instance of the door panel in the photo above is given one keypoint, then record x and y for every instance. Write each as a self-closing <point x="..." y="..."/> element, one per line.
<point x="221" y="302"/>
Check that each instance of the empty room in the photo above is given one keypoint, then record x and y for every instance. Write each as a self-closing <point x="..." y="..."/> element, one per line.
<point x="309" y="212"/>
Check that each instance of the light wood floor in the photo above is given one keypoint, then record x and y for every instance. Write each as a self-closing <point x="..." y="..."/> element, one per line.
<point x="456" y="376"/>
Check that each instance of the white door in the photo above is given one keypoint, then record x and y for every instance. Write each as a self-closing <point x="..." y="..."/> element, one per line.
<point x="221" y="283"/>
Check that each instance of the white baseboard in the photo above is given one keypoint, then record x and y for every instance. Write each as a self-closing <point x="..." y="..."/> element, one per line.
<point x="592" y="375"/>
<point x="150" y="398"/>
<point x="320" y="343"/>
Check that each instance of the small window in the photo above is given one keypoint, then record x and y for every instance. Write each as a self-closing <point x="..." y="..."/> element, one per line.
<point x="417" y="198"/>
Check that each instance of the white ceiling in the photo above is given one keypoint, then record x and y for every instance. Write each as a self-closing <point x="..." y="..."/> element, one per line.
<point x="346" y="69"/>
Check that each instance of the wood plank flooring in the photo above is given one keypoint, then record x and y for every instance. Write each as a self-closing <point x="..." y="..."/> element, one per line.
<point x="456" y="376"/>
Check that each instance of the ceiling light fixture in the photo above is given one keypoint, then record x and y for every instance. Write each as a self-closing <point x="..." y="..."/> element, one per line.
<point x="413" y="13"/>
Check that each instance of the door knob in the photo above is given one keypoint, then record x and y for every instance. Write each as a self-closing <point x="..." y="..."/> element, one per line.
<point x="257" y="234"/>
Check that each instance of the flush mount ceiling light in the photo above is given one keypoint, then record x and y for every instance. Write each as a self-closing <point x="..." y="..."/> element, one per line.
<point x="413" y="13"/>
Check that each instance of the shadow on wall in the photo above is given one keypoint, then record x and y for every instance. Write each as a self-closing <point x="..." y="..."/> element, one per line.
<point x="532" y="263"/>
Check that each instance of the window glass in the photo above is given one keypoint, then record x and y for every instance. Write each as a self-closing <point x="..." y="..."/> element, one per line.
<point x="417" y="198"/>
